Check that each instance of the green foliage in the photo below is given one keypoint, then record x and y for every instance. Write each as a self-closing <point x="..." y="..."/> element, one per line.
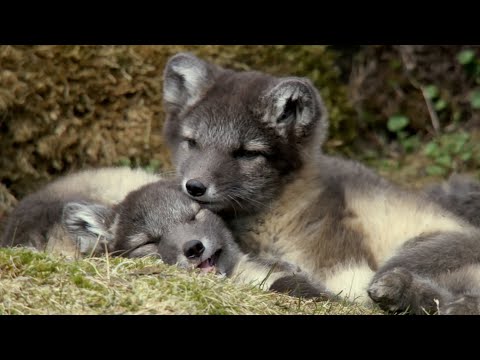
<point x="153" y="166"/>
<point x="431" y="92"/>
<point x="440" y="105"/>
<point x="471" y="64"/>
<point x="435" y="170"/>
<point x="397" y="123"/>
<point x="410" y="143"/>
<point x="124" y="162"/>
<point x="466" y="57"/>
<point x="451" y="152"/>
<point x="475" y="99"/>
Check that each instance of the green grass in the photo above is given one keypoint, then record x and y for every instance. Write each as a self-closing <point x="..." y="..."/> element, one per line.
<point x="40" y="283"/>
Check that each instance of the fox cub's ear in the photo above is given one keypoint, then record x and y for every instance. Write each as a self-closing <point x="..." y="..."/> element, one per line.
<point x="185" y="79"/>
<point x="294" y="107"/>
<point x="88" y="224"/>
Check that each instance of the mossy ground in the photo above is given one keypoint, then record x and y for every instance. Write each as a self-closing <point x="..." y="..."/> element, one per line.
<point x="40" y="283"/>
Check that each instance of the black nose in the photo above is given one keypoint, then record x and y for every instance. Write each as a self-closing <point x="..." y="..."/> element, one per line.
<point x="193" y="249"/>
<point x="195" y="187"/>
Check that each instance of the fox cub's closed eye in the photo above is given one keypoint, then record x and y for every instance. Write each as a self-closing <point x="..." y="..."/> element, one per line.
<point x="246" y="154"/>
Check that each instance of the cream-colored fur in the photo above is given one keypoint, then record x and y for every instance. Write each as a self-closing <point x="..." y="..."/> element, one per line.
<point x="350" y="281"/>
<point x="105" y="185"/>
<point x="388" y="219"/>
<point x="383" y="219"/>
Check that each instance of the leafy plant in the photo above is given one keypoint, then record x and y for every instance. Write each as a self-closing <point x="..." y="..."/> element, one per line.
<point x="431" y="91"/>
<point x="433" y="94"/>
<point x="450" y="152"/>
<point x="466" y="57"/>
<point x="471" y="64"/>
<point x="475" y="99"/>
<point x="397" y="124"/>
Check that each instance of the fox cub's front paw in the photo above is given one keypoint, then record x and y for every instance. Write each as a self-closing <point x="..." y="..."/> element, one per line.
<point x="389" y="290"/>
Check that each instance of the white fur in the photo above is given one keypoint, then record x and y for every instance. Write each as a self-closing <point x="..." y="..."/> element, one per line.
<point x="256" y="145"/>
<point x="195" y="207"/>
<point x="107" y="185"/>
<point x="350" y="282"/>
<point x="184" y="186"/>
<point x="85" y="213"/>
<point x="187" y="132"/>
<point x="201" y="215"/>
<point x="137" y="240"/>
<point x="211" y="191"/>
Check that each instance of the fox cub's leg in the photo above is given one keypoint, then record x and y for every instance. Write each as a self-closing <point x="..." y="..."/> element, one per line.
<point x="433" y="274"/>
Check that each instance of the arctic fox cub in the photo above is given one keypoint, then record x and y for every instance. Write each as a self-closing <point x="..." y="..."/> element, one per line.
<point x="247" y="145"/>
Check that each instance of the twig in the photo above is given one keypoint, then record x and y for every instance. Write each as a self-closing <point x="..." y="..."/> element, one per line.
<point x="431" y="111"/>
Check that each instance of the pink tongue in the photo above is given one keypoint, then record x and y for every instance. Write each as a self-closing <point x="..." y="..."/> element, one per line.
<point x="205" y="266"/>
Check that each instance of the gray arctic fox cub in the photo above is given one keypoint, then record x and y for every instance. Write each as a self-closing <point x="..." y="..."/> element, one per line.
<point x="247" y="145"/>
<point x="133" y="213"/>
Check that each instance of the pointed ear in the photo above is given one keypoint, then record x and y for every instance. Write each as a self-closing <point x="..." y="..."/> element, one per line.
<point x="294" y="107"/>
<point x="89" y="225"/>
<point x="185" y="79"/>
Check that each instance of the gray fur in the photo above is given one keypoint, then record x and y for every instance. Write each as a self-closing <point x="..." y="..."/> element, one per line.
<point x="187" y="78"/>
<point x="30" y="221"/>
<point x="460" y="195"/>
<point x="325" y="214"/>
<point x="428" y="268"/>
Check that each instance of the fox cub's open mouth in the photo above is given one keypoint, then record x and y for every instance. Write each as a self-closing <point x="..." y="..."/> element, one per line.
<point x="209" y="264"/>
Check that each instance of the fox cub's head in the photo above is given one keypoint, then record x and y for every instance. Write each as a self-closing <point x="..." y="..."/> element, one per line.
<point x="236" y="136"/>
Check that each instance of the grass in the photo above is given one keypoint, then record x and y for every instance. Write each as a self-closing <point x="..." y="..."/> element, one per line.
<point x="41" y="283"/>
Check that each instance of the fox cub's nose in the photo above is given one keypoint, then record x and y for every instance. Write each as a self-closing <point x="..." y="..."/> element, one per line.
<point x="193" y="249"/>
<point x="195" y="187"/>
